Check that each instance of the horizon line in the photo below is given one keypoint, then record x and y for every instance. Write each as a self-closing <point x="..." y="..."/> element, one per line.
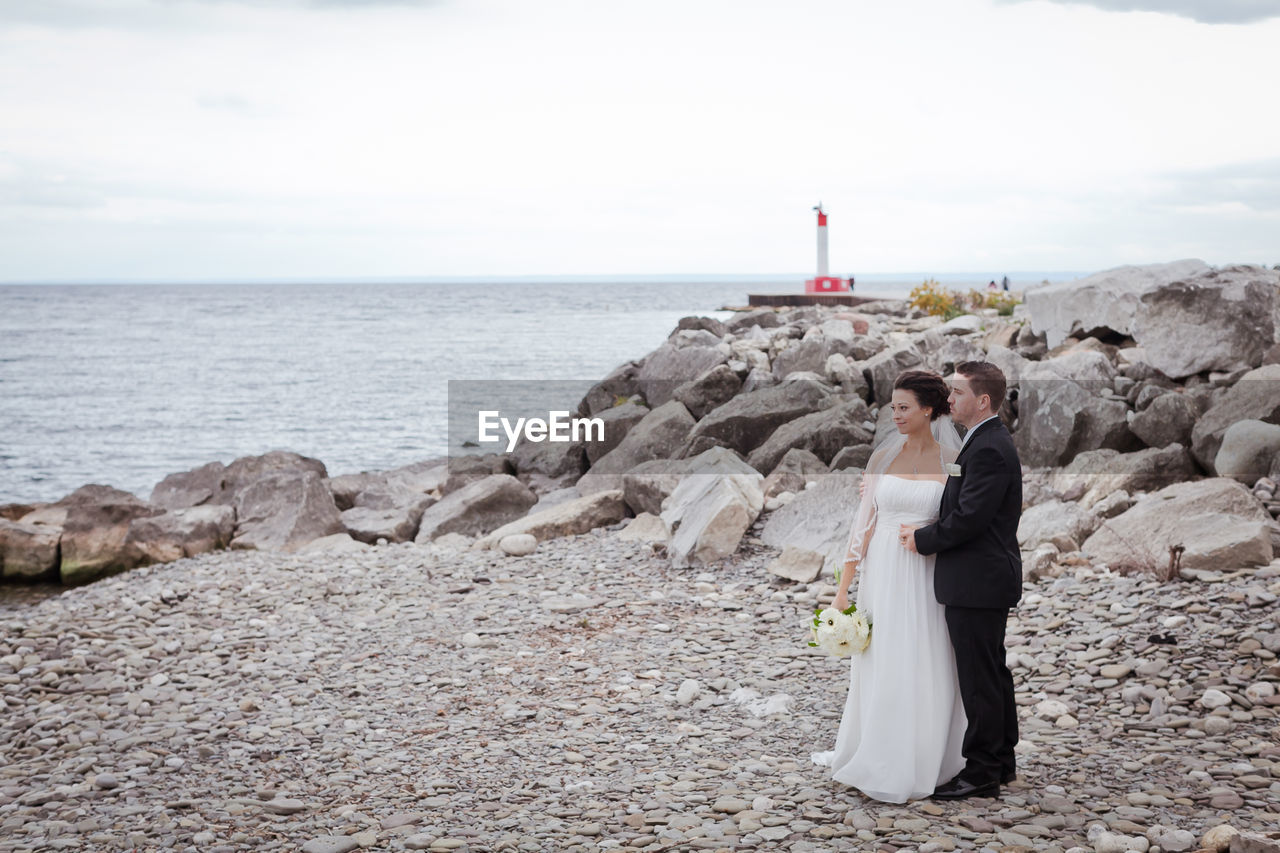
<point x="544" y="278"/>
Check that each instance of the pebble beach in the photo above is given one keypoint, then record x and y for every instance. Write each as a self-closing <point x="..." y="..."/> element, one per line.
<point x="590" y="697"/>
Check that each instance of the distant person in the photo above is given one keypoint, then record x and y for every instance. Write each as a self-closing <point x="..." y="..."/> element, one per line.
<point x="991" y="285"/>
<point x="851" y="284"/>
<point x="1004" y="283"/>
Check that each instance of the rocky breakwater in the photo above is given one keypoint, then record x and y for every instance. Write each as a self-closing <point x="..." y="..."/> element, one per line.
<point x="601" y="645"/>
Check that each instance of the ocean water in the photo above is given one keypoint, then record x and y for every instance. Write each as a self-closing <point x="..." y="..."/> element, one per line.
<point x="122" y="384"/>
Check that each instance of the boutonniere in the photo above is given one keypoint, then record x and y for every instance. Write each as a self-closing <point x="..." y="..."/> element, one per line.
<point x="953" y="470"/>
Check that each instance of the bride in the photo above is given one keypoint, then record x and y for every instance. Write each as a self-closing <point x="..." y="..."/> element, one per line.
<point x="903" y="724"/>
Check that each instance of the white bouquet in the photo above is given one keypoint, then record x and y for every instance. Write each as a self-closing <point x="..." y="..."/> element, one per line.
<point x="840" y="632"/>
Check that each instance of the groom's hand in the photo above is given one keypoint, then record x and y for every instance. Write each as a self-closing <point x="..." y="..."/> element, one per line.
<point x="907" y="537"/>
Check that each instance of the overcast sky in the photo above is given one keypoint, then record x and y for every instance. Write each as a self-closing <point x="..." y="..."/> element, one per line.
<point x="223" y="140"/>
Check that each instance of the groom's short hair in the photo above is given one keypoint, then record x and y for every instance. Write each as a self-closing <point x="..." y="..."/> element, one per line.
<point x="984" y="378"/>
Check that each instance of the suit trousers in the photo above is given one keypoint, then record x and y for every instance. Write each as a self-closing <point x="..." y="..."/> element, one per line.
<point x="986" y="689"/>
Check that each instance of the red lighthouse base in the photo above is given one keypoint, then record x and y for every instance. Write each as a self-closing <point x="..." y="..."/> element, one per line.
<point x="825" y="284"/>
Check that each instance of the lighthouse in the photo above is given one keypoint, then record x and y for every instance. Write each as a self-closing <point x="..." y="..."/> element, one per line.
<point x="823" y="282"/>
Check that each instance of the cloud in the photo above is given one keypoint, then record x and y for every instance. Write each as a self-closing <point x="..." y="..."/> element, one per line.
<point x="163" y="14"/>
<point x="236" y="104"/>
<point x="1238" y="187"/>
<point x="1204" y="11"/>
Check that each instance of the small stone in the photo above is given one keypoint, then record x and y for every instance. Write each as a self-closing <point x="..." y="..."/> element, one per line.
<point x="105" y="781"/>
<point x="284" y="805"/>
<point x="688" y="691"/>
<point x="518" y="544"/>
<point x="330" y="844"/>
<point x="1214" y="699"/>
<point x="1218" y="838"/>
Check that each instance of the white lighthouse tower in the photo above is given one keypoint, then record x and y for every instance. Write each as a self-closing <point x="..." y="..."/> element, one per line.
<point x="824" y="282"/>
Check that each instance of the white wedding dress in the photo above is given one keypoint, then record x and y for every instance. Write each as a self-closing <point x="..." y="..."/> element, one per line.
<point x="903" y="722"/>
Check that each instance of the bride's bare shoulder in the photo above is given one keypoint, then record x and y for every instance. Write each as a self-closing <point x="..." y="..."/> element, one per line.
<point x="950" y="454"/>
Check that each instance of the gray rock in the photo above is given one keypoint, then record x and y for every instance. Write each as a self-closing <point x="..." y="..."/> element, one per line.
<point x="1095" y="474"/>
<point x="622" y="384"/>
<point x="1058" y="418"/>
<point x="477" y="508"/>
<point x="823" y="433"/>
<point x="618" y="421"/>
<point x="1167" y="419"/>
<point x="215" y="483"/>
<point x="1100" y="303"/>
<point x="796" y="468"/>
<point x="1217" y="320"/>
<point x="1221" y="525"/>
<point x="518" y="544"/>
<point x="819" y="519"/>
<point x="685" y="356"/>
<point x="284" y="510"/>
<point x="746" y="422"/>
<point x="711" y="509"/>
<point x="1061" y="523"/>
<point x="28" y="551"/>
<point x="180" y="533"/>
<point x="797" y="564"/>
<point x="331" y="844"/>
<point x="95" y="526"/>
<point x="710" y="390"/>
<point x="598" y="509"/>
<point x="1256" y="396"/>
<point x="1249" y="449"/>
<point x="661" y="434"/>
<point x="901" y="353"/>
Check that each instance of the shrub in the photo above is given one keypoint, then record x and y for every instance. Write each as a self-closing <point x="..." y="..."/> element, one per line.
<point x="932" y="298"/>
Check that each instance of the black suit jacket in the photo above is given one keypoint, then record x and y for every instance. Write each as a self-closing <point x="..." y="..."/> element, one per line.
<point x="976" y="534"/>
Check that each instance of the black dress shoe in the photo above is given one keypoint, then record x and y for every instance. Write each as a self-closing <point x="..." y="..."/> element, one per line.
<point x="960" y="789"/>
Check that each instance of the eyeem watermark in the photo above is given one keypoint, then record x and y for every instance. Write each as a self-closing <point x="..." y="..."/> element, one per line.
<point x="557" y="427"/>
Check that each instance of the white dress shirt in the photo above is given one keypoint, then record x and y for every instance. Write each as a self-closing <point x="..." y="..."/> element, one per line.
<point x="974" y="427"/>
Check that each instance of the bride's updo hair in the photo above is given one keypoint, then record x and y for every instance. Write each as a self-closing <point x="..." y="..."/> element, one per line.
<point x="929" y="389"/>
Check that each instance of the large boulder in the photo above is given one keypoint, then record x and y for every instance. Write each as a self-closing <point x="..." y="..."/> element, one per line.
<point x="477" y="508"/>
<point x="397" y="523"/>
<point x="712" y="508"/>
<point x="900" y="353"/>
<point x="712" y="389"/>
<point x="685" y="355"/>
<point x="1217" y="320"/>
<point x="179" y="533"/>
<point x="824" y="433"/>
<point x="618" y="421"/>
<point x="1249" y="450"/>
<point x="547" y="465"/>
<point x="1059" y="418"/>
<point x="468" y="468"/>
<point x="1102" y="303"/>
<point x="1061" y="523"/>
<point x="793" y="472"/>
<point x="1256" y="396"/>
<point x="28" y="551"/>
<point x="284" y="510"/>
<point x="1219" y="522"/>
<point x="567" y="519"/>
<point x="1168" y="419"/>
<point x="393" y="487"/>
<point x="818" y="519"/>
<point x="216" y="483"/>
<point x="621" y="384"/>
<point x="661" y="434"/>
<point x="1094" y="474"/>
<point x="388" y="504"/>
<point x="95" y="524"/>
<point x="746" y="421"/>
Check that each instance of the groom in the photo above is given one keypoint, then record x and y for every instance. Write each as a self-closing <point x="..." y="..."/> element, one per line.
<point x="978" y="576"/>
